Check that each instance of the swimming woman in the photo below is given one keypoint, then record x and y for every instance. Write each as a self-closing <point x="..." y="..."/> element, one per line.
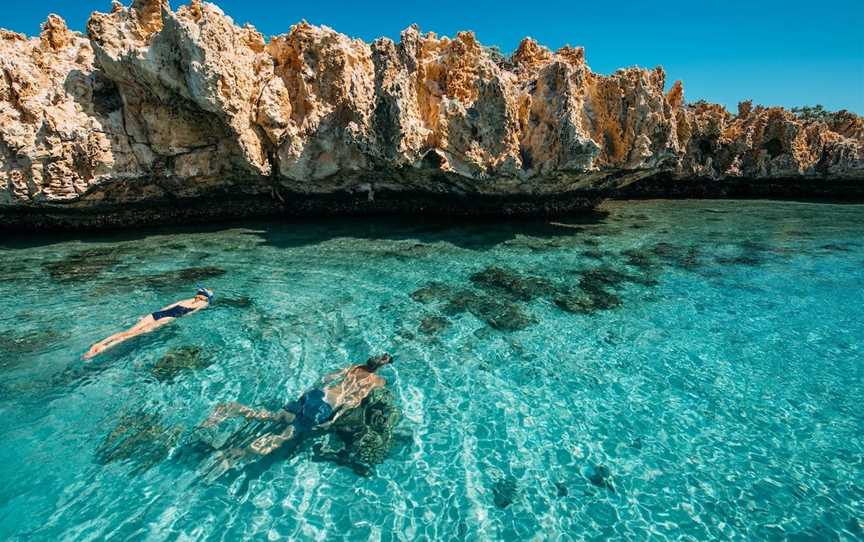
<point x="317" y="408"/>
<point x="155" y="320"/>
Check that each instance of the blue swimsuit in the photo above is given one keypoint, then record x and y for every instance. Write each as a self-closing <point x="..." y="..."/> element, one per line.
<point x="174" y="312"/>
<point x="310" y="410"/>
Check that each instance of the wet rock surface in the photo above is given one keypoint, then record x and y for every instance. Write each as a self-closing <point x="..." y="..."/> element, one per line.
<point x="157" y="115"/>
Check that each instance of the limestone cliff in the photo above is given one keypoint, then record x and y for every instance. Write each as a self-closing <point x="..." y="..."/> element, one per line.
<point x="157" y="106"/>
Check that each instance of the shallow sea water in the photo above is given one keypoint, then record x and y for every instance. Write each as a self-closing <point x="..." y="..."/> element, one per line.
<point x="661" y="370"/>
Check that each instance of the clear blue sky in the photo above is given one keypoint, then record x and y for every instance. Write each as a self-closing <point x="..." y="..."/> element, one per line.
<point x="788" y="53"/>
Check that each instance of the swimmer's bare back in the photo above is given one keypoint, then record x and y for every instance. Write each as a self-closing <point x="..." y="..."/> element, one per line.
<point x="356" y="384"/>
<point x="154" y="321"/>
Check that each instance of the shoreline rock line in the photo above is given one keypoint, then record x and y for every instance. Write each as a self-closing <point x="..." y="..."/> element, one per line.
<point x="154" y="106"/>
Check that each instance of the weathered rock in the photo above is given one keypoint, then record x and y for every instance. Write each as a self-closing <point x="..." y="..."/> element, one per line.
<point x="600" y="476"/>
<point x="179" y="360"/>
<point x="156" y="106"/>
<point x="500" y="314"/>
<point x="498" y="281"/>
<point x="82" y="265"/>
<point x="433" y="324"/>
<point x="363" y="436"/>
<point x="140" y="439"/>
<point x="504" y="491"/>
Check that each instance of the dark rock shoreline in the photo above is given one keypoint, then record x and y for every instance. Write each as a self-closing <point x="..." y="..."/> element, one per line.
<point x="219" y="208"/>
<point x="665" y="186"/>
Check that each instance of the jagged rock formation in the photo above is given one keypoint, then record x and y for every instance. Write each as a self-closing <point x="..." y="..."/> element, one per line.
<point x="157" y="106"/>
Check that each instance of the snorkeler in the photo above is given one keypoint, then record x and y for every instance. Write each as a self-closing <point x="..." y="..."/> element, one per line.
<point x="155" y="320"/>
<point x="317" y="408"/>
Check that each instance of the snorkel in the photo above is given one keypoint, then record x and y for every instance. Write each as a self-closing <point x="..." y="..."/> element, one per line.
<point x="202" y="291"/>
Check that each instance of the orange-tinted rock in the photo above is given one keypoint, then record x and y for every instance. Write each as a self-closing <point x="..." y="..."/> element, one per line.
<point x="154" y="103"/>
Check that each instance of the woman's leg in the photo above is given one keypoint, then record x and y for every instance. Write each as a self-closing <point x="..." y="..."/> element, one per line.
<point x="105" y="344"/>
<point x="229" y="410"/>
<point x="223" y="411"/>
<point x="269" y="442"/>
<point x="230" y="458"/>
<point x="144" y="325"/>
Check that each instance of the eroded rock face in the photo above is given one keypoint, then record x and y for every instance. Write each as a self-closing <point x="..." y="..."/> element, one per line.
<point x="155" y="105"/>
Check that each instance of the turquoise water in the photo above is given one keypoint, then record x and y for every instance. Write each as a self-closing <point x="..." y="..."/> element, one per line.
<point x="661" y="370"/>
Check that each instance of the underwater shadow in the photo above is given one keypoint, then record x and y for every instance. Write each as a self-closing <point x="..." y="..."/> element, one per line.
<point x="38" y="239"/>
<point x="472" y="234"/>
<point x="477" y="234"/>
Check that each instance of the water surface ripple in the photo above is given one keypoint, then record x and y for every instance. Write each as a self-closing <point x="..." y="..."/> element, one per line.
<point x="662" y="370"/>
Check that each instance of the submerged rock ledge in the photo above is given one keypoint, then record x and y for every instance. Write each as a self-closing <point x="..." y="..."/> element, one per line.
<point x="167" y="115"/>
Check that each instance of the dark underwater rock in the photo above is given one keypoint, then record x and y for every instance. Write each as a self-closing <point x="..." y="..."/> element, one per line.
<point x="139" y="438"/>
<point x="497" y="280"/>
<point x="596" y="290"/>
<point x="183" y="276"/>
<point x="167" y="281"/>
<point x="639" y="258"/>
<point x="433" y="292"/>
<point x="741" y="259"/>
<point x="751" y="253"/>
<point x="834" y="247"/>
<point x="178" y="360"/>
<point x="594" y="254"/>
<point x="535" y="244"/>
<point x="505" y="491"/>
<point x="500" y="314"/>
<point x="603" y="277"/>
<point x="681" y="257"/>
<point x="240" y="302"/>
<point x="588" y="302"/>
<point x="600" y="476"/>
<point x="561" y="489"/>
<point x="83" y="265"/>
<point x="501" y="291"/>
<point x="502" y="288"/>
<point x="433" y="324"/>
<point x="363" y="436"/>
<point x="410" y="252"/>
<point x="29" y="341"/>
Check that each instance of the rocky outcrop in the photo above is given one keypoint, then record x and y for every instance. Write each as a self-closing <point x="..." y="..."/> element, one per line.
<point x="157" y="109"/>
